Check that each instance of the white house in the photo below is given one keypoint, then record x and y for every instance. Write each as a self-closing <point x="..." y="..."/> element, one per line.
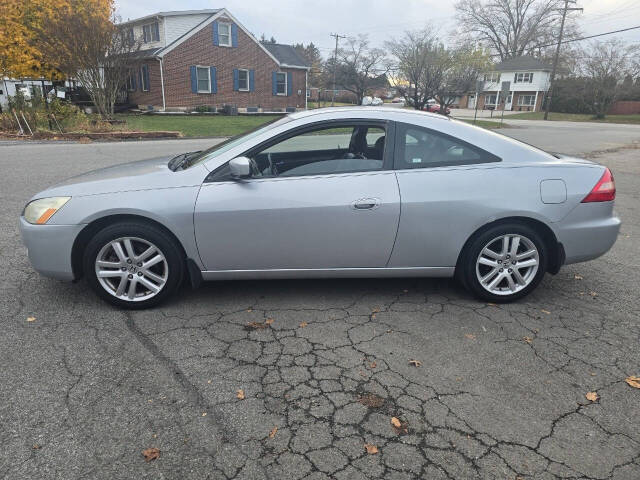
<point x="529" y="79"/>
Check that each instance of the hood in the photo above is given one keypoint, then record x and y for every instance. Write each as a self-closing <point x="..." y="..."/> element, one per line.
<point x="140" y="175"/>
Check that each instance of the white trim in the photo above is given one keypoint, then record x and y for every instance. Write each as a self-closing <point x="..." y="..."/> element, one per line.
<point x="230" y="44"/>
<point x="285" y="84"/>
<point x="535" y="103"/>
<point x="164" y="105"/>
<point x="208" y="68"/>
<point x="142" y="89"/>
<point x="306" y="89"/>
<point x="248" y="86"/>
<point x="151" y="31"/>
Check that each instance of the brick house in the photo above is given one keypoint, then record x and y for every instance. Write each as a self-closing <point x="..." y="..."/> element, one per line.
<point x="206" y="58"/>
<point x="529" y="79"/>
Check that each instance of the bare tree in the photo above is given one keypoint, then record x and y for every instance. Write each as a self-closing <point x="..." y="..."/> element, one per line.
<point x="421" y="62"/>
<point x="511" y="27"/>
<point x="87" y="45"/>
<point x="606" y="66"/>
<point x="464" y="66"/>
<point x="359" y="66"/>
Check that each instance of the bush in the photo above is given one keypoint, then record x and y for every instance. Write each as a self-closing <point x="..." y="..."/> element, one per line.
<point x="34" y="110"/>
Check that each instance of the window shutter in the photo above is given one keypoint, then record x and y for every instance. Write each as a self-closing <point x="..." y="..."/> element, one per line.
<point x="214" y="80"/>
<point x="215" y="33"/>
<point x="515" y="78"/>
<point x="234" y="35"/>
<point x="145" y="72"/>
<point x="289" y="84"/>
<point x="531" y="78"/>
<point x="140" y="78"/>
<point x="274" y="84"/>
<point x="251" y="80"/>
<point x="236" y="80"/>
<point x="194" y="79"/>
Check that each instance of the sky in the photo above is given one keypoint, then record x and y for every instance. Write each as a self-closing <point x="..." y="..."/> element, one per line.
<point x="302" y="21"/>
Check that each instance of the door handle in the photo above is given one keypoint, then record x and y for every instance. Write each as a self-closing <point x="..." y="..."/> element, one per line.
<point x="366" y="204"/>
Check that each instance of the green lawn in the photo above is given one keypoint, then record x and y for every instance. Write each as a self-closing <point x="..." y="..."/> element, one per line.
<point x="485" y="124"/>
<point x="196" y="125"/>
<point x="575" y="117"/>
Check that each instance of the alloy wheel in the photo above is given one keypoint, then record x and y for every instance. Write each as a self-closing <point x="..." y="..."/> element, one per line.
<point x="131" y="269"/>
<point x="507" y="264"/>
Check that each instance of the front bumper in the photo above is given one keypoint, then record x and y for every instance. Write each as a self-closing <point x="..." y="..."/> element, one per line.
<point x="50" y="248"/>
<point x="588" y="232"/>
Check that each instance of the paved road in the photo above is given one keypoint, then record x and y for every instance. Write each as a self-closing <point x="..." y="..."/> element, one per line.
<point x="499" y="392"/>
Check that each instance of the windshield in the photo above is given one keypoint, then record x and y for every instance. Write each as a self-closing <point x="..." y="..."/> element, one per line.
<point x="229" y="143"/>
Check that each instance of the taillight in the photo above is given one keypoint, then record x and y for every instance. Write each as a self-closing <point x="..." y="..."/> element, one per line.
<point x="604" y="191"/>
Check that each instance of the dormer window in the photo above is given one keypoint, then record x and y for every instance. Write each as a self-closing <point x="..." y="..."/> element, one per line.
<point x="150" y="32"/>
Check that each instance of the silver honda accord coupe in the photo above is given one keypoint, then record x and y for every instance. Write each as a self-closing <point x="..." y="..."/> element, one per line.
<point x="342" y="192"/>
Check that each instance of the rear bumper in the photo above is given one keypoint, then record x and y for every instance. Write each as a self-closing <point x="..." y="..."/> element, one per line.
<point x="588" y="232"/>
<point x="50" y="248"/>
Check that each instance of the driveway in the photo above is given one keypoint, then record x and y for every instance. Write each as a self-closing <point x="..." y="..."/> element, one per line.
<point x="301" y="379"/>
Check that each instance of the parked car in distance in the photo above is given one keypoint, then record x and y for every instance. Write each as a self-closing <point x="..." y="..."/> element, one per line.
<point x="336" y="192"/>
<point x="376" y="102"/>
<point x="435" y="108"/>
<point x="398" y="100"/>
<point x="366" y="101"/>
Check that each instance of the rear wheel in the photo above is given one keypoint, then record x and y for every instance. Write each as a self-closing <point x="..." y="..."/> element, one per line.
<point x="133" y="265"/>
<point x="504" y="263"/>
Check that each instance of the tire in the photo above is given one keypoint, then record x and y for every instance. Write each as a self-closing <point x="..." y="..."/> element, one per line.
<point x="495" y="276"/>
<point x="156" y="269"/>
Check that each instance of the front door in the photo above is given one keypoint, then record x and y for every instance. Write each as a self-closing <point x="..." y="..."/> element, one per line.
<point x="508" y="103"/>
<point x="323" y="198"/>
<point x="471" y="103"/>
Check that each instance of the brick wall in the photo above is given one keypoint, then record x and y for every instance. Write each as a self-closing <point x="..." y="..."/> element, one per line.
<point x="154" y="95"/>
<point x="199" y="50"/>
<point x="624" y="107"/>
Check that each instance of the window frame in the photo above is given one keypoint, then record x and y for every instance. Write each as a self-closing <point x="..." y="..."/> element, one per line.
<point x="525" y="77"/>
<point x="228" y="35"/>
<point x="284" y="94"/>
<point x="208" y="69"/>
<point x="495" y="102"/>
<point x="144" y="86"/>
<point x="389" y="127"/>
<point x="240" y="89"/>
<point x="130" y="82"/>
<point x="489" y="77"/>
<point x="531" y="104"/>
<point x="152" y="31"/>
<point x="401" y="128"/>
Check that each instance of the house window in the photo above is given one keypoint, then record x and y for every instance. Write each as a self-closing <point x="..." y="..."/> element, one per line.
<point x="493" y="77"/>
<point x="527" y="100"/>
<point x="150" y="32"/>
<point x="281" y="83"/>
<point x="204" y="79"/>
<point x="145" y="78"/>
<point x="224" y="34"/>
<point x="308" y="93"/>
<point x="243" y="80"/>
<point x="490" y="99"/>
<point x="130" y="35"/>
<point x="523" y="77"/>
<point x="131" y="82"/>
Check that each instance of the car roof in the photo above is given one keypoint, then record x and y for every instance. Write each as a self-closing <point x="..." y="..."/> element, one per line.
<point x="381" y="112"/>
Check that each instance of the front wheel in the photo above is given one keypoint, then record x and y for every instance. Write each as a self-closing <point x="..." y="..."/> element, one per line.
<point x="133" y="265"/>
<point x="504" y="263"/>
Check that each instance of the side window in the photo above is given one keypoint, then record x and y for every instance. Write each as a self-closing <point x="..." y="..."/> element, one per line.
<point x="323" y="150"/>
<point x="421" y="148"/>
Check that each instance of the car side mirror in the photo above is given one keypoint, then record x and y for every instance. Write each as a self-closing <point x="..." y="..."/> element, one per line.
<point x="240" y="167"/>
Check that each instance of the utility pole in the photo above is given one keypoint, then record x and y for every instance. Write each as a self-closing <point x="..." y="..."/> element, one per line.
<point x="335" y="65"/>
<point x="555" y="58"/>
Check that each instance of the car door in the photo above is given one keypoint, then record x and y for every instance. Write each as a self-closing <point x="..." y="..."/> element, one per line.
<point x="321" y="197"/>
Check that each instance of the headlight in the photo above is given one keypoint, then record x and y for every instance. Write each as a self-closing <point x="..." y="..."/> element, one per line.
<point x="41" y="210"/>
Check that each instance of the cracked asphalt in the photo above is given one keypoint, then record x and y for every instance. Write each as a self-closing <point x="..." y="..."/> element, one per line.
<point x="498" y="393"/>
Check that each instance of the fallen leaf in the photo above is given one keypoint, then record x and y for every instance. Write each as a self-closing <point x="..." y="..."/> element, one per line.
<point x="577" y="277"/>
<point x="376" y="310"/>
<point x="373" y="365"/>
<point x="592" y="396"/>
<point x="398" y="426"/>
<point x="204" y="414"/>
<point x="150" y="454"/>
<point x="208" y="381"/>
<point x="396" y="422"/>
<point x="240" y="394"/>
<point x="371" y="400"/>
<point x="415" y="363"/>
<point x="633" y="381"/>
<point x="257" y="325"/>
<point x="593" y="294"/>
<point x="371" y="449"/>
<point x="36" y="446"/>
<point x="303" y="324"/>
<point x="546" y="311"/>
<point x="249" y="309"/>
<point x="31" y="319"/>
<point x="269" y="321"/>
<point x="492" y="304"/>
<point x="527" y="339"/>
<point x="273" y="432"/>
<point x="470" y="336"/>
